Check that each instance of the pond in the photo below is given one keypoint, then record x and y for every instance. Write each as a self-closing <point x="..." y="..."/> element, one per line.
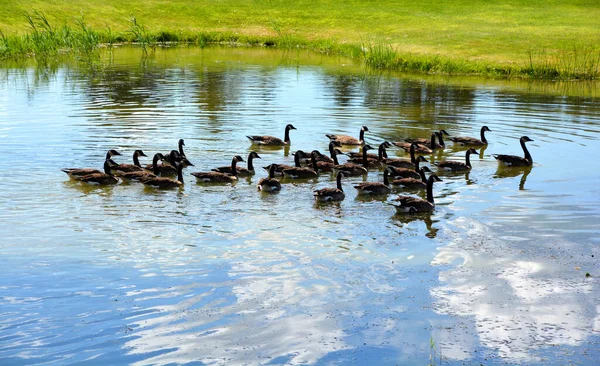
<point x="224" y="274"/>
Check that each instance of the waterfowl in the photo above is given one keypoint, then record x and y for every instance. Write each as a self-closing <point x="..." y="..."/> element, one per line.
<point x="457" y="166"/>
<point x="271" y="140"/>
<point x="105" y="178"/>
<point x="412" y="183"/>
<point x="374" y="159"/>
<point x="421" y="149"/>
<point x="135" y="167"/>
<point x="409" y="204"/>
<point x="403" y="163"/>
<point x="217" y="177"/>
<point x="352" y="169"/>
<point x="513" y="160"/>
<point x="143" y="174"/>
<point x="375" y="188"/>
<point x="302" y="173"/>
<point x="241" y="171"/>
<point x="166" y="183"/>
<point x="180" y="153"/>
<point x="171" y="168"/>
<point x="269" y="184"/>
<point x="78" y="172"/>
<point x="279" y="168"/>
<point x="427" y="141"/>
<point x="472" y="141"/>
<point x="407" y="173"/>
<point x="349" y="140"/>
<point x="331" y="194"/>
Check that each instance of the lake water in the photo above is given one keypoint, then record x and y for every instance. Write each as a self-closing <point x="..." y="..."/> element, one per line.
<point x="226" y="275"/>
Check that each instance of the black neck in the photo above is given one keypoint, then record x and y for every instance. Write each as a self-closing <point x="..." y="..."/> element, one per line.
<point x="433" y="141"/>
<point x="286" y="138"/>
<point x="107" y="168"/>
<point x="234" y="167"/>
<point x="423" y="177"/>
<point x="441" y="140"/>
<point x="483" y="136"/>
<point x="107" y="156"/>
<point x="385" y="177"/>
<point x="331" y="149"/>
<point x="381" y="153"/>
<point x="412" y="153"/>
<point x="527" y="154"/>
<point x="334" y="157"/>
<point x="155" y="165"/>
<point x="338" y="179"/>
<point x="181" y="148"/>
<point x="272" y="171"/>
<point x="136" y="161"/>
<point x="180" y="172"/>
<point x="361" y="136"/>
<point x="467" y="158"/>
<point x="314" y="163"/>
<point x="430" y="189"/>
<point x="297" y="159"/>
<point x="417" y="162"/>
<point x="365" y="160"/>
<point x="250" y="164"/>
<point x="173" y="158"/>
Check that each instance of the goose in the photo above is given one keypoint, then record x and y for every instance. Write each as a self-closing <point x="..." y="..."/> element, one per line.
<point x="135" y="167"/>
<point x="241" y="171"/>
<point x="279" y="168"/>
<point x="324" y="158"/>
<point x="349" y="140"/>
<point x="375" y="188"/>
<point x="421" y="149"/>
<point x="513" y="160"/>
<point x="217" y="177"/>
<point x="412" y="183"/>
<point x="78" y="172"/>
<point x="269" y="184"/>
<point x="472" y="141"/>
<point x="170" y="169"/>
<point x="457" y="166"/>
<point x="407" y="173"/>
<point x="302" y="173"/>
<point x="325" y="166"/>
<point x="331" y="194"/>
<point x="166" y="183"/>
<point x="351" y="169"/>
<point x="181" y="154"/>
<point x="427" y="141"/>
<point x="271" y="140"/>
<point x="403" y="163"/>
<point x="381" y="153"/>
<point x="409" y="204"/>
<point x="139" y="175"/>
<point x="105" y="178"/>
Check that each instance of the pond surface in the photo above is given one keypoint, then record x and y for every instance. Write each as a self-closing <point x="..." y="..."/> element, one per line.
<point x="226" y="275"/>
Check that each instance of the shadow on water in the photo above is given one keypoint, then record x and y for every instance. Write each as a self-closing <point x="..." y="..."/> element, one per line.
<point x="512" y="172"/>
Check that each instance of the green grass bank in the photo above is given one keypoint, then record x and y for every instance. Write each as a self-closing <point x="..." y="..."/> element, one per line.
<point x="509" y="38"/>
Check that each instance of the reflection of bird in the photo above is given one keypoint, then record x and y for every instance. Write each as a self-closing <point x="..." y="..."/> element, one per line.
<point x="217" y="177"/>
<point x="349" y="140"/>
<point x="375" y="188"/>
<point x="163" y="182"/>
<point x="514" y="160"/>
<point x="409" y="204"/>
<point x="269" y="184"/>
<point x="457" y="166"/>
<point x="105" y="178"/>
<point x="272" y="140"/>
<point x="75" y="172"/>
<point x="331" y="194"/>
<point x="241" y="171"/>
<point x="472" y="141"/>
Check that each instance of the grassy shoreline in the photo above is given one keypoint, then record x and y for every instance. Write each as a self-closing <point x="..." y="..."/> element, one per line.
<point x="453" y="43"/>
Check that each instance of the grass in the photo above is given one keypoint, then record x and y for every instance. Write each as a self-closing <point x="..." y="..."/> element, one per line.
<point x="509" y="38"/>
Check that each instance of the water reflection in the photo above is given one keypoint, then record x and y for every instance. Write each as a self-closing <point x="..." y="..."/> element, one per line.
<point x="513" y="172"/>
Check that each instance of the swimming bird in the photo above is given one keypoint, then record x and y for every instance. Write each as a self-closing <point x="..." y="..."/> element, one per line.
<point x="331" y="194"/>
<point x="513" y="160"/>
<point x="144" y="174"/>
<point x="302" y="173"/>
<point x="170" y="169"/>
<point x="105" y="178"/>
<point x="351" y="169"/>
<point x="349" y="140"/>
<point x="271" y="140"/>
<point x="374" y="159"/>
<point x="427" y="141"/>
<point x="164" y="182"/>
<point x="457" y="166"/>
<point x="78" y="172"/>
<point x="217" y="177"/>
<point x="375" y="188"/>
<point x="472" y="141"/>
<point x="407" y="173"/>
<point x="412" y="183"/>
<point x="135" y="167"/>
<point x="401" y="162"/>
<point x="410" y="204"/>
<point x="269" y="184"/>
<point x="421" y="149"/>
<point x="180" y="153"/>
<point x="241" y="171"/>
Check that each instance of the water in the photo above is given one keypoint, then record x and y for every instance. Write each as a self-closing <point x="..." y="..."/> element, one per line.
<point x="225" y="275"/>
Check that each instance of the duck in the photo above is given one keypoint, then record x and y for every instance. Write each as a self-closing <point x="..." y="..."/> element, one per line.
<point x="375" y="188"/>
<point x="514" y="160"/>
<point x="102" y="178"/>
<point x="331" y="194"/>
<point x="269" y="184"/>
<point x="241" y="171"/>
<point x="135" y="167"/>
<point x="299" y="172"/>
<point x="472" y="141"/>
<point x="138" y="175"/>
<point x="349" y="140"/>
<point x="407" y="173"/>
<point x="273" y="141"/>
<point x="457" y="166"/>
<point x="427" y="141"/>
<point x="164" y="182"/>
<point x="410" y="204"/>
<point x="412" y="183"/>
<point x="217" y="177"/>
<point x="79" y="172"/>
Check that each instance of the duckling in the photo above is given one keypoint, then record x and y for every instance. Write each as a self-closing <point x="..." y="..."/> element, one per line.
<point x="271" y="140"/>
<point x="472" y="141"/>
<point x="375" y="188"/>
<point x="106" y="178"/>
<point x="269" y="184"/>
<point x="412" y="183"/>
<point x="166" y="183"/>
<point x="457" y="166"/>
<point x="139" y="175"/>
<point x="409" y="204"/>
<point x="78" y="172"/>
<point x="302" y="173"/>
<point x="331" y="194"/>
<point x="349" y="140"/>
<point x="241" y="171"/>
<point x="135" y="167"/>
<point x="217" y="177"/>
<point x="513" y="160"/>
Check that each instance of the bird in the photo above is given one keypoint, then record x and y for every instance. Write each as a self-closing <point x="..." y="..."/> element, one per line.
<point x="427" y="141"/>
<point x="375" y="188"/>
<point x="407" y="173"/>
<point x="170" y="169"/>
<point x="403" y="163"/>
<point x="351" y="169"/>
<point x="331" y="194"/>
<point x="349" y="140"/>
<point x="138" y="175"/>
<point x="410" y="204"/>
<point x="75" y="172"/>
<point x="472" y="141"/>
<point x="412" y="183"/>
<point x="269" y="184"/>
<point x="241" y="171"/>
<point x="299" y="172"/>
<point x="325" y="166"/>
<point x="164" y="182"/>
<point x="105" y="178"/>
<point x="181" y="154"/>
<point x="423" y="148"/>
<point x="217" y="177"/>
<point x="457" y="166"/>
<point x="271" y="140"/>
<point x="513" y="160"/>
<point x="374" y="159"/>
<point x="135" y="167"/>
